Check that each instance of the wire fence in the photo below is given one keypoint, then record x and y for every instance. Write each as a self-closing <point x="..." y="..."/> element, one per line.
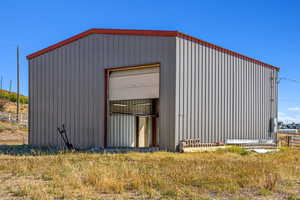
<point x="11" y="117"/>
<point x="289" y="140"/>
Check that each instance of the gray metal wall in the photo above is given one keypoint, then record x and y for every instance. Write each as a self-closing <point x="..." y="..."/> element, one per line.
<point x="66" y="85"/>
<point x="220" y="97"/>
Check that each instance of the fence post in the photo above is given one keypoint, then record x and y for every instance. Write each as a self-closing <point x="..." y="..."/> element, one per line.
<point x="289" y="141"/>
<point x="12" y="118"/>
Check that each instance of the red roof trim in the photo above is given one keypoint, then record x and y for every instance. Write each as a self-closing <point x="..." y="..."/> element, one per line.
<point x="147" y="33"/>
<point x="103" y="31"/>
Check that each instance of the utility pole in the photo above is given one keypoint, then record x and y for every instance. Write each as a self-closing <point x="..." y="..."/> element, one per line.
<point x="10" y="86"/>
<point x="18" y="84"/>
<point x="1" y="86"/>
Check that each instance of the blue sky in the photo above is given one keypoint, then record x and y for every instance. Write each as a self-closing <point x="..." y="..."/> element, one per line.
<point x="267" y="30"/>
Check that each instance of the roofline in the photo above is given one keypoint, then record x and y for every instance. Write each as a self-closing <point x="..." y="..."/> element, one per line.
<point x="103" y="31"/>
<point x="148" y="33"/>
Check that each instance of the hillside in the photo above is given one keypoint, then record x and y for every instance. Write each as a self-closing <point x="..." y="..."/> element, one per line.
<point x="12" y="96"/>
<point x="11" y="107"/>
<point x="8" y="102"/>
<point x="11" y="133"/>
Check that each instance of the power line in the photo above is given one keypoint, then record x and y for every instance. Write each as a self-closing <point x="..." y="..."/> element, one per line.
<point x="10" y="86"/>
<point x="288" y="79"/>
<point x="18" y="83"/>
<point x="1" y="83"/>
<point x="290" y="100"/>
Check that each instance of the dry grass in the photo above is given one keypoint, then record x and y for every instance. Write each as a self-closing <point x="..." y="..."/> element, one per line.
<point x="12" y="134"/>
<point x="161" y="175"/>
<point x="11" y="107"/>
<point x="6" y="126"/>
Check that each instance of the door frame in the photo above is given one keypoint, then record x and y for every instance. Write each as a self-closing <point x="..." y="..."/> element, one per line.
<point x="153" y="128"/>
<point x="107" y="72"/>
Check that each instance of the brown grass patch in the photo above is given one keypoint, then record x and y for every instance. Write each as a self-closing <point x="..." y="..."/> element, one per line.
<point x="12" y="134"/>
<point x="11" y="107"/>
<point x="158" y="175"/>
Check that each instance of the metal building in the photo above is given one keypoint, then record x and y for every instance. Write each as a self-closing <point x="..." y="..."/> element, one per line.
<point x="140" y="88"/>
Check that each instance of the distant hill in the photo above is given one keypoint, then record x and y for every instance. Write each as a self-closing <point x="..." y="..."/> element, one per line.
<point x="12" y="97"/>
<point x="8" y="102"/>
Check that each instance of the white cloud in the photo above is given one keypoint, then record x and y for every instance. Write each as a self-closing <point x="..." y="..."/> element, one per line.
<point x="288" y="118"/>
<point x="294" y="109"/>
<point x="297" y="118"/>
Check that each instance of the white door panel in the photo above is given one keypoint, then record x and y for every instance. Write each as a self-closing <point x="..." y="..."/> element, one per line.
<point x="134" y="84"/>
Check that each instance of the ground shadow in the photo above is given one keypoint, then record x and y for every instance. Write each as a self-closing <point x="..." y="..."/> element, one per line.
<point x="23" y="150"/>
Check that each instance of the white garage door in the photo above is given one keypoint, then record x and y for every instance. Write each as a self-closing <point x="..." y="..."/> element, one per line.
<point x="134" y="84"/>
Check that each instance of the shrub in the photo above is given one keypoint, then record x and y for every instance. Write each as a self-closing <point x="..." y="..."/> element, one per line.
<point x="12" y="96"/>
<point x="293" y="197"/>
<point x="235" y="149"/>
<point x="264" y="192"/>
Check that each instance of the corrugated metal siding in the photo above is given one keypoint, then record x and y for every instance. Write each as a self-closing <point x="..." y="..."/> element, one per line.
<point x="149" y="130"/>
<point x="214" y="96"/>
<point x="122" y="131"/>
<point x="220" y="97"/>
<point x="67" y="86"/>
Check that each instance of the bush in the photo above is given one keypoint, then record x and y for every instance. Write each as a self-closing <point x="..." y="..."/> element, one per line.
<point x="235" y="149"/>
<point x="293" y="197"/>
<point x="264" y="192"/>
<point x="12" y="96"/>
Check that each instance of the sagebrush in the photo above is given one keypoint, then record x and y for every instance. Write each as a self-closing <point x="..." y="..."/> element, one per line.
<point x="12" y="96"/>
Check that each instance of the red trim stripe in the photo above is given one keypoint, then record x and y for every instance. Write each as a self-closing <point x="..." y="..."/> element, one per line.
<point x="103" y="31"/>
<point x="148" y="33"/>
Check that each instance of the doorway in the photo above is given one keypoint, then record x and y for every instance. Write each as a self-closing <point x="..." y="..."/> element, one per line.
<point x="145" y="134"/>
<point x="133" y="123"/>
<point x="132" y="106"/>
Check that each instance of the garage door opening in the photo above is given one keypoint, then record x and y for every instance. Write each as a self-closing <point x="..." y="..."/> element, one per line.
<point x="133" y="106"/>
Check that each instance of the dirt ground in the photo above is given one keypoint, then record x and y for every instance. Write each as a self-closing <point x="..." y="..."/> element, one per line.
<point x="17" y="137"/>
<point x="11" y="107"/>
<point x="11" y="134"/>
